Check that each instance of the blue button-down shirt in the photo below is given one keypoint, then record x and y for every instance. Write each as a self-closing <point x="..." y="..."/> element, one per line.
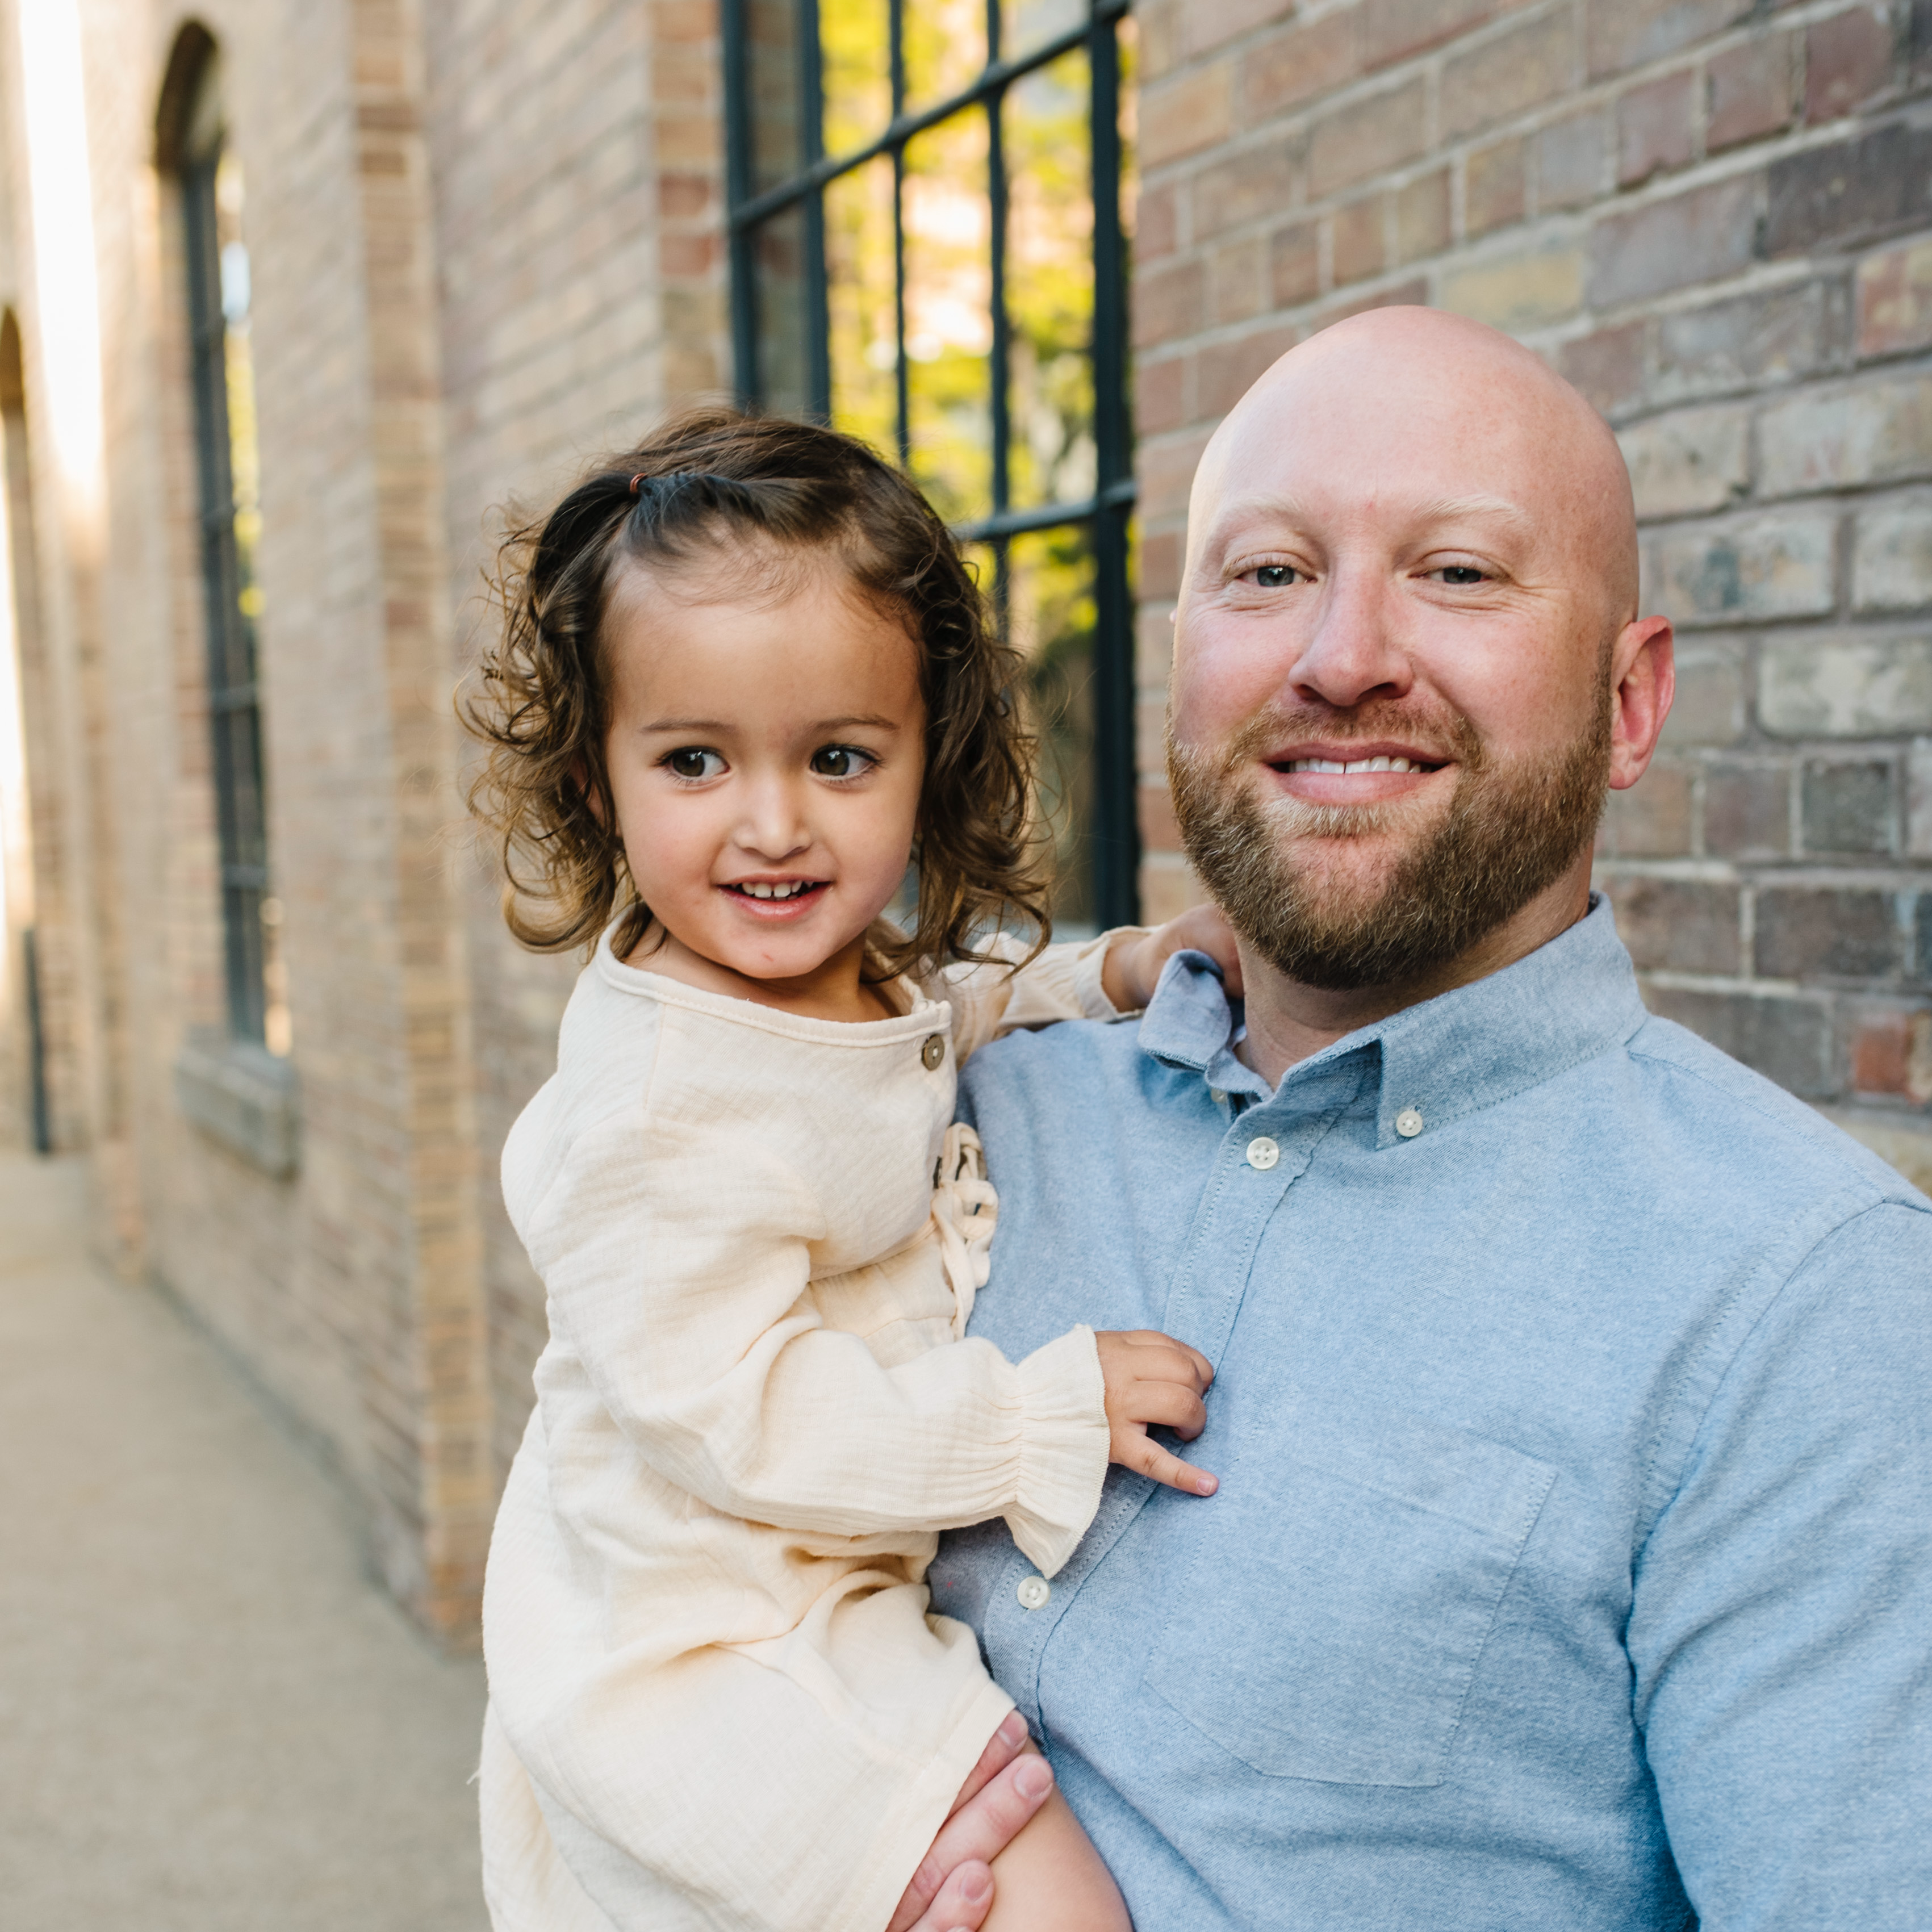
<point x="1572" y="1564"/>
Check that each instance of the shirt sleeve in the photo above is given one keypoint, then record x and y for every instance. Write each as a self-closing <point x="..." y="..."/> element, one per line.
<point x="676" y="1264"/>
<point x="1778" y="1632"/>
<point x="993" y="998"/>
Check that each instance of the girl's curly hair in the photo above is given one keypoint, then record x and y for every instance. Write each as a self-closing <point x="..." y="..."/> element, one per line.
<point x="540" y="698"/>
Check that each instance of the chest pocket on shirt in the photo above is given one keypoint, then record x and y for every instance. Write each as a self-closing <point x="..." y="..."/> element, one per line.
<point x="1363" y="1561"/>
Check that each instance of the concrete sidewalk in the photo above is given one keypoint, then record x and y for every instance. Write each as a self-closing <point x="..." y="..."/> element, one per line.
<point x="210" y="1721"/>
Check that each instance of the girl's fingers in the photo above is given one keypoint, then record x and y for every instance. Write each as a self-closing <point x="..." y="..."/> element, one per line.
<point x="1143" y="1454"/>
<point x="1172" y="1405"/>
<point x="1002" y="1747"/>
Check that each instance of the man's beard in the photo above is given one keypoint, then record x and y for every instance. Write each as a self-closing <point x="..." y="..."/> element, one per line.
<point x="1509" y="832"/>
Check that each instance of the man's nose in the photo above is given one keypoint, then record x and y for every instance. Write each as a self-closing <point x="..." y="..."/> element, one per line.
<point x="1354" y="652"/>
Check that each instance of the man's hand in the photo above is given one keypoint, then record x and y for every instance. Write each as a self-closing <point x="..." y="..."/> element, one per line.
<point x="1151" y="1377"/>
<point x="952" y="1890"/>
<point x="1133" y="967"/>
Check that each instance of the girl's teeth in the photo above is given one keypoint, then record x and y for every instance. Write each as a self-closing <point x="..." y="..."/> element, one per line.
<point x="759" y="891"/>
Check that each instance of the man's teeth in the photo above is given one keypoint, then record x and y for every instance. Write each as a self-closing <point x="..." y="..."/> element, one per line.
<point x="1356" y="765"/>
<point x="789" y="889"/>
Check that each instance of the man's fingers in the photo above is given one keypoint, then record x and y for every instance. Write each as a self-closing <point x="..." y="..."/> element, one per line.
<point x="963" y="1902"/>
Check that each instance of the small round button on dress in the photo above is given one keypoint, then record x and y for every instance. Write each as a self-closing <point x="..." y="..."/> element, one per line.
<point x="933" y="1052"/>
<point x="1034" y="1593"/>
<point x="1409" y="1123"/>
<point x="1262" y="1153"/>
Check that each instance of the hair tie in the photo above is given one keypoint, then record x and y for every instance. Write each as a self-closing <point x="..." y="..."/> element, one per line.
<point x="636" y="482"/>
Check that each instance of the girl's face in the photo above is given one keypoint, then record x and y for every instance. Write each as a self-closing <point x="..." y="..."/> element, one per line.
<point x="766" y="752"/>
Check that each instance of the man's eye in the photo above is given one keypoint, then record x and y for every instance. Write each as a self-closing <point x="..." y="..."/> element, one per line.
<point x="693" y="761"/>
<point x="841" y="761"/>
<point x="1461" y="573"/>
<point x="1275" y="576"/>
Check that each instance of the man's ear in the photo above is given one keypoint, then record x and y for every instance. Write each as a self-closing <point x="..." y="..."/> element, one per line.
<point x="1643" y="674"/>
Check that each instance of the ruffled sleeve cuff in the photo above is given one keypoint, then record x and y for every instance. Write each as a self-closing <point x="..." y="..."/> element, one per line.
<point x="1063" y="1449"/>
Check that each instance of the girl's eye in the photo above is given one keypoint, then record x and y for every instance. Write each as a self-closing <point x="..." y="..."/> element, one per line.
<point x="1461" y="573"/>
<point x="693" y="761"/>
<point x="841" y="761"/>
<point x="1275" y="576"/>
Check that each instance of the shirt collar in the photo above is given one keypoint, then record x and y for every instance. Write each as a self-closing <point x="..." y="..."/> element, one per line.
<point x="1465" y="1050"/>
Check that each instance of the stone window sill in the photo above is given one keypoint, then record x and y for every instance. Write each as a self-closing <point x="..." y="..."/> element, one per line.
<point x="242" y="1096"/>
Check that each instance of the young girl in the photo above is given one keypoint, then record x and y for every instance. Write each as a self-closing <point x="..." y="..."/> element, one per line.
<point x="744" y="682"/>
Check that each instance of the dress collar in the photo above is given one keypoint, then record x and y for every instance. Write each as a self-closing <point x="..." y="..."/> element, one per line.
<point x="1433" y="1063"/>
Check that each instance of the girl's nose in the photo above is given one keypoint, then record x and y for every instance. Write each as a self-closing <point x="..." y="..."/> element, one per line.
<point x="773" y="827"/>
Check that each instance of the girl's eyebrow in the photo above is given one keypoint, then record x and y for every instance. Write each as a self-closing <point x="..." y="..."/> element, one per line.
<point x="718" y="728"/>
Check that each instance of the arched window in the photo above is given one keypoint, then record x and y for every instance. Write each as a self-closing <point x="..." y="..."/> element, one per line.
<point x="192" y="146"/>
<point x="927" y="250"/>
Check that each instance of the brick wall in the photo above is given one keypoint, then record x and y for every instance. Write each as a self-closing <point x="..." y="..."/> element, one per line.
<point x="1713" y="218"/>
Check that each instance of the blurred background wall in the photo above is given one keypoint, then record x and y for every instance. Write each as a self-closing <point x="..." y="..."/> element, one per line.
<point x="297" y="296"/>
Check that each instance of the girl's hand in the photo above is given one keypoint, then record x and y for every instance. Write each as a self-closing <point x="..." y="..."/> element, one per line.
<point x="1133" y="964"/>
<point x="1151" y="1377"/>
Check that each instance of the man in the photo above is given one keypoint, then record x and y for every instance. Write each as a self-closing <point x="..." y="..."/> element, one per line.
<point x="1572" y="1562"/>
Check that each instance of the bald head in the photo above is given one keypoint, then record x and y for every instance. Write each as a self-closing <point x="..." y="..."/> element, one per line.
<point x="1413" y="400"/>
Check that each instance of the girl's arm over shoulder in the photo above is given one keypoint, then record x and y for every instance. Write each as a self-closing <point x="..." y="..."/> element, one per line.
<point x="1109" y="978"/>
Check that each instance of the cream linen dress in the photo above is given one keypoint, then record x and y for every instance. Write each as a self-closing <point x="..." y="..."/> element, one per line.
<point x="717" y="1698"/>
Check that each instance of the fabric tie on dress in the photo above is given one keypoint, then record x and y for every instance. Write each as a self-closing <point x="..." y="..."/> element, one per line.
<point x="965" y="1211"/>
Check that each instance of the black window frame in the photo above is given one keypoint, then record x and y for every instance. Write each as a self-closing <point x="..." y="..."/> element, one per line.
<point x="234" y="692"/>
<point x="1115" y="852"/>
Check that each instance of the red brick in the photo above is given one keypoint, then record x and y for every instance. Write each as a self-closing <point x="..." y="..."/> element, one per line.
<point x="1493" y="188"/>
<point x="1607" y="366"/>
<point x="1162" y="37"/>
<point x="1357" y="250"/>
<point x="1159" y="573"/>
<point x="1247" y="187"/>
<point x="1297" y="64"/>
<point x="1237" y="276"/>
<point x="1847" y="60"/>
<point x="1183" y="115"/>
<point x="1392" y="30"/>
<point x="1570" y="160"/>
<point x="1221" y="21"/>
<point x="1509" y="73"/>
<point x="1882" y="1054"/>
<point x="1166" y="471"/>
<point x="1808" y="932"/>
<point x="1678" y="925"/>
<point x="1654" y="127"/>
<point x="1652" y="819"/>
<point x="1294" y="262"/>
<point x="1169" y="303"/>
<point x="681" y="195"/>
<point x="1227" y="370"/>
<point x="1895" y="300"/>
<point x="1157" y="223"/>
<point x="1752" y="91"/>
<point x="1422" y="216"/>
<point x="1700" y="236"/>
<point x="1367" y="136"/>
<point x="1159" y="832"/>
<point x="1747" y="812"/>
<point x="1626" y="34"/>
<point x="1158" y="393"/>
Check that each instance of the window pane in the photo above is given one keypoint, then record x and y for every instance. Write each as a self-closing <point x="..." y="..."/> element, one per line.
<point x="1026" y="24"/>
<point x="777" y="132"/>
<point x="1050" y="283"/>
<point x="779" y="252"/>
<point x="949" y="319"/>
<point x="1050" y="605"/>
<point x="859" y="267"/>
<point x="945" y="47"/>
<point x="857" y="69"/>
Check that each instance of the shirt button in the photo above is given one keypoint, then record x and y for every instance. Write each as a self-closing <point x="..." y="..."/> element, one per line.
<point x="933" y="1052"/>
<point x="1262" y="1153"/>
<point x="1219" y="1098"/>
<point x="1033" y="1593"/>
<point x="1409" y="1123"/>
